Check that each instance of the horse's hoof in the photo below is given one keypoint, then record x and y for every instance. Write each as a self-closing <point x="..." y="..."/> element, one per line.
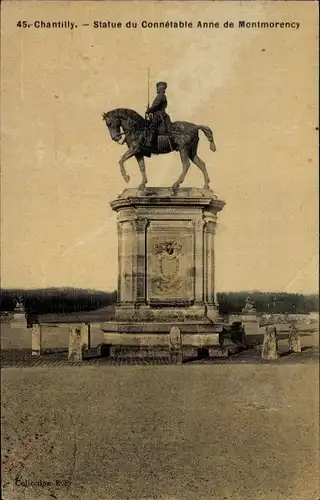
<point x="206" y="186"/>
<point x="174" y="189"/>
<point x="141" y="187"/>
<point x="126" y="178"/>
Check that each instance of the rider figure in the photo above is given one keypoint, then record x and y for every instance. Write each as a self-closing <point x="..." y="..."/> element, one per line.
<point x="158" y="112"/>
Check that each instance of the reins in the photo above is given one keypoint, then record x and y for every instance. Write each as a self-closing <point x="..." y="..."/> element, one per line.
<point x="132" y="128"/>
<point x="124" y="133"/>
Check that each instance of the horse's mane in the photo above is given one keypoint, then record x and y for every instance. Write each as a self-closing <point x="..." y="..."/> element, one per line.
<point x="126" y="113"/>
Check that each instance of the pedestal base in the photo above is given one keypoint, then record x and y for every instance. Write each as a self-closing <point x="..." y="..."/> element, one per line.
<point x="166" y="269"/>
<point x="251" y="323"/>
<point x="147" y="340"/>
<point x="158" y="335"/>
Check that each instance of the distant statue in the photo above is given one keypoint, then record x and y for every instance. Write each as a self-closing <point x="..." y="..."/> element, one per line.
<point x="155" y="134"/>
<point x="249" y="306"/>
<point x="19" y="307"/>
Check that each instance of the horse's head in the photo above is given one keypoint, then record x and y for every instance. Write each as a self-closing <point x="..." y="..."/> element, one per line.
<point x="122" y="118"/>
<point x="113" y="123"/>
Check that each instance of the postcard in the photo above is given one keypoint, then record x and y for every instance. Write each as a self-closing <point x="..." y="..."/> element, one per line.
<point x="159" y="244"/>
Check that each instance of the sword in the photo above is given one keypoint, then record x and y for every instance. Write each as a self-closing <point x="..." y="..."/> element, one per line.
<point x="146" y="115"/>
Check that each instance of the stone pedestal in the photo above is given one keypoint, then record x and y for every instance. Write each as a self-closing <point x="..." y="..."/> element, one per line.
<point x="250" y="318"/>
<point x="19" y="318"/>
<point x="18" y="321"/>
<point x="166" y="267"/>
<point x="250" y="321"/>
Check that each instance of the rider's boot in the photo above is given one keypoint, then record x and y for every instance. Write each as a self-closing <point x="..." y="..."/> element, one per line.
<point x="151" y="140"/>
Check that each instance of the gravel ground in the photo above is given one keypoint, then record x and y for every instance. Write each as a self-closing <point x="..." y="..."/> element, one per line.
<point x="212" y="430"/>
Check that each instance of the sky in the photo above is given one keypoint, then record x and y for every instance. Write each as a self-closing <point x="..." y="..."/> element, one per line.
<point x="256" y="88"/>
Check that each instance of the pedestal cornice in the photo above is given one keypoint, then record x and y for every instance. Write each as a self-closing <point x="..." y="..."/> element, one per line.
<point x="162" y="197"/>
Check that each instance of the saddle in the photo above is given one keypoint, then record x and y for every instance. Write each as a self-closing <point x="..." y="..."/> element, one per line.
<point x="163" y="144"/>
<point x="165" y="126"/>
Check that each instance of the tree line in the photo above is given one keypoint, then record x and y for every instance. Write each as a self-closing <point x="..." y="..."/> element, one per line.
<point x="56" y="300"/>
<point x="268" y="302"/>
<point x="63" y="300"/>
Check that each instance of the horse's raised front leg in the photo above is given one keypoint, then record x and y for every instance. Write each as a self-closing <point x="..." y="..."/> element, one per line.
<point x="213" y="146"/>
<point x="185" y="167"/>
<point x="142" y="166"/>
<point x="201" y="164"/>
<point x="128" y="154"/>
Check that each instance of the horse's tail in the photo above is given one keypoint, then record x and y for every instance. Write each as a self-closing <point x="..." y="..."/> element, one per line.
<point x="208" y="133"/>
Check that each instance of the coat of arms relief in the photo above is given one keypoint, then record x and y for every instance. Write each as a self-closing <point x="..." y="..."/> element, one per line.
<point x="167" y="255"/>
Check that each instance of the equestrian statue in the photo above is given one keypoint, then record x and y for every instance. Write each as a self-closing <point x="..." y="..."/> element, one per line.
<point x="156" y="134"/>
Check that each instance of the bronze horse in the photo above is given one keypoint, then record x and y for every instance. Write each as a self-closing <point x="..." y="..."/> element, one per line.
<point x="184" y="138"/>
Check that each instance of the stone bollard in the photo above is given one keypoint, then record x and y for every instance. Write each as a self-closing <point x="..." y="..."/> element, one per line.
<point x="75" y="347"/>
<point x="85" y="336"/>
<point x="294" y="339"/>
<point x="270" y="349"/>
<point x="36" y="340"/>
<point x="175" y="345"/>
